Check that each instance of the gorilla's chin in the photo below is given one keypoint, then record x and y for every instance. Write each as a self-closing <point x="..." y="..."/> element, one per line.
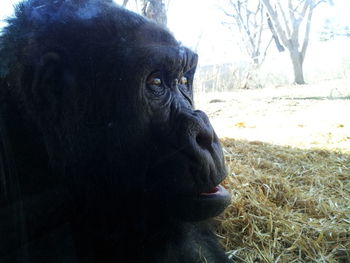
<point x="203" y="206"/>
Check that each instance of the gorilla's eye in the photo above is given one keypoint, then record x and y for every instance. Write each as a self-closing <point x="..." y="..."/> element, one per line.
<point x="154" y="81"/>
<point x="155" y="84"/>
<point x="183" y="81"/>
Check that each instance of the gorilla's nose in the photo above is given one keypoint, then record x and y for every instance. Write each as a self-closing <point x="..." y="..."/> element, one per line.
<point x="204" y="139"/>
<point x="203" y="131"/>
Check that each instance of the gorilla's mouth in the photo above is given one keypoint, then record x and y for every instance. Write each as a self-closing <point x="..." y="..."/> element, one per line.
<point x="205" y="205"/>
<point x="216" y="192"/>
<point x="216" y="196"/>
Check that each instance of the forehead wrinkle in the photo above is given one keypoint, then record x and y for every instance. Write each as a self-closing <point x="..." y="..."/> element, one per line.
<point x="184" y="59"/>
<point x="188" y="58"/>
<point x="158" y="56"/>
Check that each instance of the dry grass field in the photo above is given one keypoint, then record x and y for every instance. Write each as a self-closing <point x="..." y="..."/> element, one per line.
<point x="288" y="152"/>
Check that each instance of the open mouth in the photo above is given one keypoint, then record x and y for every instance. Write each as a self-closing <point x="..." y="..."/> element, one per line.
<point x="217" y="192"/>
<point x="207" y="204"/>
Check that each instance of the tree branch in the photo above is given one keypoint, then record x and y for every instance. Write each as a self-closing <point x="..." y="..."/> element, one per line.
<point x="319" y="2"/>
<point x="307" y="4"/>
<point x="250" y="26"/>
<point x="284" y="19"/>
<point x="291" y="11"/>
<point x="258" y="44"/>
<point x="265" y="52"/>
<point x="307" y="34"/>
<point x="275" y="37"/>
<point x="277" y="23"/>
<point x="245" y="27"/>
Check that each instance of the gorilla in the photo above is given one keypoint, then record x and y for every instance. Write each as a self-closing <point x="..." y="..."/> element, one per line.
<point x="103" y="157"/>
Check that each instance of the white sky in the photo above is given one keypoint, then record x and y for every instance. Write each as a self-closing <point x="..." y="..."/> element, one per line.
<point x="198" y="24"/>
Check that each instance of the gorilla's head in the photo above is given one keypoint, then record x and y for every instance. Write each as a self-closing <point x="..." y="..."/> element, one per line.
<point x="99" y="100"/>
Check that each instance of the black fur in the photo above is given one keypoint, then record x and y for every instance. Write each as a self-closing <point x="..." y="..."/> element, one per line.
<point x="99" y="162"/>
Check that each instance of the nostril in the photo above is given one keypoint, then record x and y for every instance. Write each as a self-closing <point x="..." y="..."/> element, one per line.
<point x="204" y="139"/>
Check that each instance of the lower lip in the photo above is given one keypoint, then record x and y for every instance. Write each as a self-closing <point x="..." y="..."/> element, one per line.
<point x="220" y="191"/>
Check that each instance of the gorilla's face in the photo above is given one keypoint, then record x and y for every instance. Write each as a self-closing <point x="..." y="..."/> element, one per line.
<point x="187" y="162"/>
<point x="112" y="94"/>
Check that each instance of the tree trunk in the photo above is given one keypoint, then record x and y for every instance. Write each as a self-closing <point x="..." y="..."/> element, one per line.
<point x="288" y="30"/>
<point x="297" y="61"/>
<point x="155" y="10"/>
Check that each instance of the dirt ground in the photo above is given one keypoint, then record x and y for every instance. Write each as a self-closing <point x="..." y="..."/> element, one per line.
<point x="308" y="116"/>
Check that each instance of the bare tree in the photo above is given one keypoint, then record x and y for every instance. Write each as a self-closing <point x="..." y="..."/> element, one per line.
<point x="249" y="19"/>
<point x="155" y="10"/>
<point x="125" y="2"/>
<point x="286" y="18"/>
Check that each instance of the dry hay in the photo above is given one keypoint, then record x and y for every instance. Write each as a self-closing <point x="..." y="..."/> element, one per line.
<point x="288" y="204"/>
